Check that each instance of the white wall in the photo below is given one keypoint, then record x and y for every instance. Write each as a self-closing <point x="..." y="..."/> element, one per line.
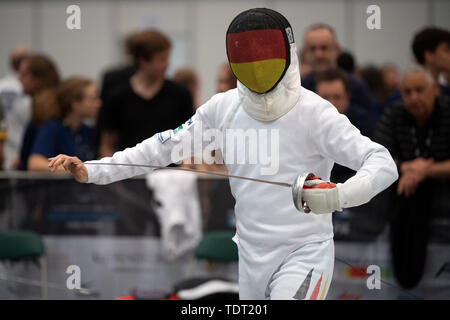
<point x="197" y="29"/>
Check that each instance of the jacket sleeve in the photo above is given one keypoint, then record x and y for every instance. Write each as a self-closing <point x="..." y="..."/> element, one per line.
<point x="162" y="149"/>
<point x="336" y="138"/>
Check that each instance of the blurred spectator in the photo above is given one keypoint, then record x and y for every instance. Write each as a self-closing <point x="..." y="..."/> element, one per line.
<point x="3" y="134"/>
<point x="332" y="85"/>
<point x="322" y="50"/>
<point x="226" y="79"/>
<point x="346" y="62"/>
<point x="445" y="77"/>
<point x="416" y="134"/>
<point x="116" y="76"/>
<point x="10" y="84"/>
<point x="189" y="79"/>
<point x="373" y="77"/>
<point x="390" y="76"/>
<point x="39" y="78"/>
<point x="321" y="47"/>
<point x="391" y="81"/>
<point x="16" y="108"/>
<point x="431" y="48"/>
<point x="78" y="100"/>
<point x="305" y="66"/>
<point x="147" y="103"/>
<point x="113" y="78"/>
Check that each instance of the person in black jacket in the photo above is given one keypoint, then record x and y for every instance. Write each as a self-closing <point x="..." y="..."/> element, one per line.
<point x="321" y="50"/>
<point x="416" y="133"/>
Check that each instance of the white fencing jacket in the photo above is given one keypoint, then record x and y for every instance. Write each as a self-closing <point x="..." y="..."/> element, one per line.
<point x="312" y="136"/>
<point x="304" y="132"/>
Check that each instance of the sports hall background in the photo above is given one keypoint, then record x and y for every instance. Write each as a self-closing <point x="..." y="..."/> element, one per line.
<point x="112" y="232"/>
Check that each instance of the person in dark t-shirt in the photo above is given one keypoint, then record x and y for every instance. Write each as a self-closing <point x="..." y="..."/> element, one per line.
<point x="134" y="118"/>
<point x="147" y="103"/>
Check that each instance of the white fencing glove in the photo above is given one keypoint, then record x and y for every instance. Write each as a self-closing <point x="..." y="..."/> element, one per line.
<point x="319" y="196"/>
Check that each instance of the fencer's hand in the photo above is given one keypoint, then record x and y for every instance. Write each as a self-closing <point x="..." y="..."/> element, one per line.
<point x="78" y="171"/>
<point x="320" y="196"/>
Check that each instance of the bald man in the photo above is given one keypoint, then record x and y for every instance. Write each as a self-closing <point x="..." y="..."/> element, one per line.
<point x="10" y="83"/>
<point x="321" y="49"/>
<point x="415" y="132"/>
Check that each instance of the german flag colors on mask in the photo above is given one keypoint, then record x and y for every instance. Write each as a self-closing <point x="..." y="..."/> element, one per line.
<point x="258" y="48"/>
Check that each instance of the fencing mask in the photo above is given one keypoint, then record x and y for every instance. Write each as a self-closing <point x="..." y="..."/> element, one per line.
<point x="258" y="48"/>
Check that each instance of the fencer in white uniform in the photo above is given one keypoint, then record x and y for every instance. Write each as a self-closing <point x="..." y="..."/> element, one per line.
<point x="283" y="253"/>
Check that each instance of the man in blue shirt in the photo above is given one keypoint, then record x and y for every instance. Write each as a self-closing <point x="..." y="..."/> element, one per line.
<point x="321" y="51"/>
<point x="332" y="85"/>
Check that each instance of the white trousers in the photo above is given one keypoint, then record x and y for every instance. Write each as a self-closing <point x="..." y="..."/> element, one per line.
<point x="305" y="274"/>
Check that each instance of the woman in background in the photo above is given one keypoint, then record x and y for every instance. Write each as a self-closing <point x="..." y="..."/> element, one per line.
<point x="39" y="77"/>
<point x="78" y="99"/>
